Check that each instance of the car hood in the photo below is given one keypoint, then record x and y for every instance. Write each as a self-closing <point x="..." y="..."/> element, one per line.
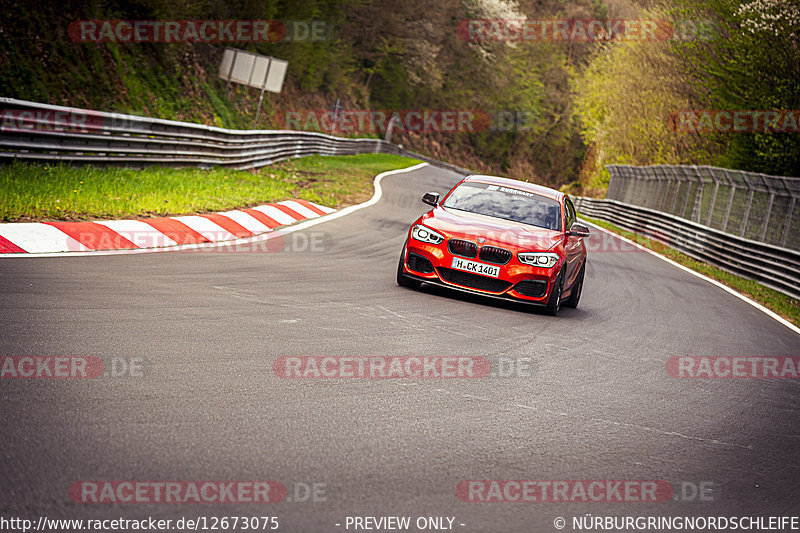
<point x="497" y="231"/>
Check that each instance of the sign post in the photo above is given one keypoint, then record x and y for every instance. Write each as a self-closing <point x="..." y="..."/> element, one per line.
<point x="254" y="70"/>
<point x="336" y="112"/>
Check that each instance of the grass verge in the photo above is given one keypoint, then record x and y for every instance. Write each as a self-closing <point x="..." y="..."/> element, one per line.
<point x="32" y="192"/>
<point x="785" y="306"/>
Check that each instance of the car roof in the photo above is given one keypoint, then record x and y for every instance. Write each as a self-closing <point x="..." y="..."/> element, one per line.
<point x="517" y="184"/>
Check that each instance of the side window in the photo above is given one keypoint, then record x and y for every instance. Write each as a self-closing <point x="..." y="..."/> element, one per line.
<point x="570" y="213"/>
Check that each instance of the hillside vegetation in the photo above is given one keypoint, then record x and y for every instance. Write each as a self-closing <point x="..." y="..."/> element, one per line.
<point x="583" y="104"/>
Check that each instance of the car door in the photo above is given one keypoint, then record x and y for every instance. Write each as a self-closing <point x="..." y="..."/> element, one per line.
<point x="573" y="247"/>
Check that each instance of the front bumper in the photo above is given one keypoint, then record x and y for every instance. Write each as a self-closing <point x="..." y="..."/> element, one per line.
<point x="432" y="263"/>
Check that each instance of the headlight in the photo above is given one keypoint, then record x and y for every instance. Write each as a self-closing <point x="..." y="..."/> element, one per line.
<point x="421" y="233"/>
<point x="539" y="259"/>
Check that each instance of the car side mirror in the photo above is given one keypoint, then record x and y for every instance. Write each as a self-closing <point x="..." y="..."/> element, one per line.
<point x="431" y="198"/>
<point x="579" y="230"/>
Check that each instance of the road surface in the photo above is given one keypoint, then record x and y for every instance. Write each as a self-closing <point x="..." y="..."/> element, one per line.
<point x="595" y="404"/>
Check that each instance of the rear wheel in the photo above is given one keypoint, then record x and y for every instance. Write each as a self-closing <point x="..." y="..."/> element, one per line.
<point x="575" y="296"/>
<point x="402" y="279"/>
<point x="554" y="303"/>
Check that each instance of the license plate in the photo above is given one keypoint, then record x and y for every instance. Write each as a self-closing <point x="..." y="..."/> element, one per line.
<point x="475" y="267"/>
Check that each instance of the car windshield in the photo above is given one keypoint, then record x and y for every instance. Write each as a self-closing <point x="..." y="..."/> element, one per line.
<point x="507" y="203"/>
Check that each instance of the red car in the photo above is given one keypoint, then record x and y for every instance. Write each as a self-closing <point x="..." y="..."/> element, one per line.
<point x="501" y="238"/>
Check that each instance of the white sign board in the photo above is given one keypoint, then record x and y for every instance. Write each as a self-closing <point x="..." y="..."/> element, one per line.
<point x="258" y="74"/>
<point x="225" y="65"/>
<point x="277" y="71"/>
<point x="254" y="70"/>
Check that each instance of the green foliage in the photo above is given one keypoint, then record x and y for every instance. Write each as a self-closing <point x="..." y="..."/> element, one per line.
<point x="624" y="99"/>
<point x="724" y="56"/>
<point x="749" y="60"/>
<point x="377" y="54"/>
<point x="586" y="104"/>
<point x="33" y="191"/>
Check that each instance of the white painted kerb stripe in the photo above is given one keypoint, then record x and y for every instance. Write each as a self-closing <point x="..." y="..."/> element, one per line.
<point x="35" y="237"/>
<point x="141" y="234"/>
<point x="211" y="231"/>
<point x="323" y="208"/>
<point x="276" y="214"/>
<point x="299" y="208"/>
<point x="247" y="221"/>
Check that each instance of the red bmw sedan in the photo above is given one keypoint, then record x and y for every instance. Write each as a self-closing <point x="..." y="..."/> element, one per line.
<point x="501" y="238"/>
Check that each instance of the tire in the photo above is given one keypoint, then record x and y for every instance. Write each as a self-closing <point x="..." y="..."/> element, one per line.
<point x="402" y="279"/>
<point x="554" y="303"/>
<point x="575" y="295"/>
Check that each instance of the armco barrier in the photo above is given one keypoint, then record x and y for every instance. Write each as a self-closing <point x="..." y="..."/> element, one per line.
<point x="773" y="266"/>
<point x="748" y="204"/>
<point x="41" y="132"/>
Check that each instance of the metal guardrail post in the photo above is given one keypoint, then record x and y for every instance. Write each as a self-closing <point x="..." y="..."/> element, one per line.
<point x="666" y="187"/>
<point x="677" y="182"/>
<point x="630" y="183"/>
<point x="766" y="217"/>
<point x="713" y="196"/>
<point x="622" y="185"/>
<point x="788" y="223"/>
<point x="698" y="195"/>
<point x="652" y="184"/>
<point x="730" y="202"/>
<point x="746" y="215"/>
<point x="639" y="184"/>
<point x="782" y="189"/>
<point x="688" y="190"/>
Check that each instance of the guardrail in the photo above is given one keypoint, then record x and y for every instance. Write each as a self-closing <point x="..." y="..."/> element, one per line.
<point x="32" y="131"/>
<point x="773" y="266"/>
<point x="41" y="132"/>
<point x="747" y="204"/>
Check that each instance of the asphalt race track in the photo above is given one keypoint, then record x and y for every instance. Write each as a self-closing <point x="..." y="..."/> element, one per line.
<point x="596" y="403"/>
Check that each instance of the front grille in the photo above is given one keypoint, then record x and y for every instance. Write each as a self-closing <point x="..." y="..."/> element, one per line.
<point x="473" y="281"/>
<point x="531" y="287"/>
<point x="492" y="254"/>
<point x="462" y="248"/>
<point x="418" y="263"/>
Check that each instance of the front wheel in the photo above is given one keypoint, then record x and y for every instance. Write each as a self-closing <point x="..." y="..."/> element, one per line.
<point x="554" y="303"/>
<point x="402" y="279"/>
<point x="575" y="296"/>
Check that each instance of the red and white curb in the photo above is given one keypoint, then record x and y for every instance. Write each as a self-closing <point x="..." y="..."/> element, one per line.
<point x="153" y="234"/>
